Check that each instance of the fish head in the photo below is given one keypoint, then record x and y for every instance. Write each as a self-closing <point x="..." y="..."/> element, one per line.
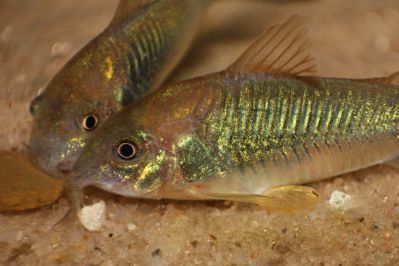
<point x="80" y="97"/>
<point x="124" y="159"/>
<point x="63" y="119"/>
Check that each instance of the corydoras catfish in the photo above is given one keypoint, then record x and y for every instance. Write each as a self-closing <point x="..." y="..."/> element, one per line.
<point x="251" y="133"/>
<point x="133" y="55"/>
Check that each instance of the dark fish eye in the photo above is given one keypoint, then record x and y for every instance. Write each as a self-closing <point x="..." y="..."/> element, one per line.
<point x="90" y="122"/>
<point x="126" y="150"/>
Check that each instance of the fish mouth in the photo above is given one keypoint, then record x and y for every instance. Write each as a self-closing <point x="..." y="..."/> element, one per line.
<point x="42" y="153"/>
<point x="65" y="167"/>
<point x="51" y="160"/>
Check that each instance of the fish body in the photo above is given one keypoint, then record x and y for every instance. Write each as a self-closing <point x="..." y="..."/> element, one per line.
<point x="244" y="134"/>
<point x="133" y="55"/>
<point x="249" y="133"/>
<point x="276" y="131"/>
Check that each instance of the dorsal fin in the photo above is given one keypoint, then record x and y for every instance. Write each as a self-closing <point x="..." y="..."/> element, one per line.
<point x="128" y="8"/>
<point x="281" y="49"/>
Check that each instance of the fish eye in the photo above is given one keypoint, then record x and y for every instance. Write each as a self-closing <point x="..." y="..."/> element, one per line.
<point x="90" y="122"/>
<point x="126" y="150"/>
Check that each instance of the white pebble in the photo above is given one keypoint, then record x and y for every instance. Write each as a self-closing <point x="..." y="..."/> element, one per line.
<point x="131" y="227"/>
<point x="339" y="199"/>
<point x="93" y="217"/>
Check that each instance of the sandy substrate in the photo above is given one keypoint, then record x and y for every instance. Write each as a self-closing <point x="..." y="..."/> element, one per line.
<point x="357" y="38"/>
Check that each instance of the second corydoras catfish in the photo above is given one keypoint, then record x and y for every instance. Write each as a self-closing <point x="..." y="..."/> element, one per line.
<point x="249" y="133"/>
<point x="133" y="55"/>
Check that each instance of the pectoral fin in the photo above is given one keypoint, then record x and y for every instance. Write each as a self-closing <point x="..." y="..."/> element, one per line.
<point x="74" y="195"/>
<point x="282" y="198"/>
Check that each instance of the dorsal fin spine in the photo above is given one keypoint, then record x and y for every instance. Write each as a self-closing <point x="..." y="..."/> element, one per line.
<point x="281" y="49"/>
<point x="300" y="49"/>
<point x="284" y="51"/>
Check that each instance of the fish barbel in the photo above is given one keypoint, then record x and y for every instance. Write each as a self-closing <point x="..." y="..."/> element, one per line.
<point x="249" y="133"/>
<point x="134" y="54"/>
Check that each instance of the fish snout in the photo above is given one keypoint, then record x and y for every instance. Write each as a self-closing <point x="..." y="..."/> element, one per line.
<point x="65" y="167"/>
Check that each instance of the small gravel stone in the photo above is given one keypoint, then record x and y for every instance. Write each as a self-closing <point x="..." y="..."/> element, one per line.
<point x="339" y="199"/>
<point x="92" y="217"/>
<point x="131" y="227"/>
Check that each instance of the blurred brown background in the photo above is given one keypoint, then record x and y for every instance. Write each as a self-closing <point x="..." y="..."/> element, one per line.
<point x="357" y="38"/>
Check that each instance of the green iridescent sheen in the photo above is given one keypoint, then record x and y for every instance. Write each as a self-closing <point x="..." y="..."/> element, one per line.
<point x="270" y="119"/>
<point x="196" y="159"/>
